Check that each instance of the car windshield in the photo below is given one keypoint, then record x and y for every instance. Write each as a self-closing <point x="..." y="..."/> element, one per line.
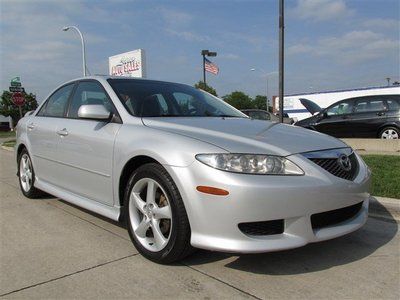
<point x="146" y="98"/>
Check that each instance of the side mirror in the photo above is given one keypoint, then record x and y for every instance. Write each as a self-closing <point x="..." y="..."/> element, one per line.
<point x="94" y="112"/>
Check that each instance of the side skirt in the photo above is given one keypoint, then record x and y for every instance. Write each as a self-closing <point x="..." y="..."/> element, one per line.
<point x="111" y="212"/>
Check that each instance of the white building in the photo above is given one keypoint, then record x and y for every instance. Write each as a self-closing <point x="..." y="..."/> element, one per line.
<point x="294" y="108"/>
<point x="5" y="123"/>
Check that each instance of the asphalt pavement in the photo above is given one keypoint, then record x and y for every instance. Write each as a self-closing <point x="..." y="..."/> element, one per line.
<point x="51" y="249"/>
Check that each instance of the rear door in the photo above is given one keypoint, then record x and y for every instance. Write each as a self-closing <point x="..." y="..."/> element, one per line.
<point x="42" y="135"/>
<point x="370" y="113"/>
<point x="86" y="146"/>
<point x="335" y="120"/>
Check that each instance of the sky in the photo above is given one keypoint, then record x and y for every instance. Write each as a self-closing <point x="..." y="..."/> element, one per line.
<point x="329" y="44"/>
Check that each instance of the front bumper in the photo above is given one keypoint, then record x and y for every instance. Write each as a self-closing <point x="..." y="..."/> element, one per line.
<point x="214" y="220"/>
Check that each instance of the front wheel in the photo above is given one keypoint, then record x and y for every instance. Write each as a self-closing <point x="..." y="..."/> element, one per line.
<point x="155" y="214"/>
<point x="389" y="133"/>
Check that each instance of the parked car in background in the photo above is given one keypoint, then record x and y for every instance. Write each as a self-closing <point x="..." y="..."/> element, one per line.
<point x="183" y="169"/>
<point x="360" y="117"/>
<point x="260" y="114"/>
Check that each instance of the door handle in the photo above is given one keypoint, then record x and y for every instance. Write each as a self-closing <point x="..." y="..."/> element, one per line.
<point x="381" y="113"/>
<point x="31" y="126"/>
<point x="63" y="132"/>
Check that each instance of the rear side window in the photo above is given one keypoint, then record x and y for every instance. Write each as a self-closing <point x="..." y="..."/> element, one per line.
<point x="88" y="93"/>
<point x="56" y="104"/>
<point x="370" y="105"/>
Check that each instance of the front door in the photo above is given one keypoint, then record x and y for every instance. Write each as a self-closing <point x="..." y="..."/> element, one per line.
<point x="42" y="134"/>
<point x="86" y="146"/>
<point x="335" y="120"/>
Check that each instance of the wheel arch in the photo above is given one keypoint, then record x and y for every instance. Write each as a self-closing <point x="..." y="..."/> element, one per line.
<point x="130" y="166"/>
<point x="382" y="127"/>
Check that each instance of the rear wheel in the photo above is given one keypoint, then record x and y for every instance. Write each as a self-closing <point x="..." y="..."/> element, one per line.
<point x="389" y="133"/>
<point x="155" y="214"/>
<point x="26" y="176"/>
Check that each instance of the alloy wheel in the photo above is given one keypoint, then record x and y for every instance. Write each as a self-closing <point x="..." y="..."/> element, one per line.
<point x="389" y="134"/>
<point x="150" y="214"/>
<point x="25" y="172"/>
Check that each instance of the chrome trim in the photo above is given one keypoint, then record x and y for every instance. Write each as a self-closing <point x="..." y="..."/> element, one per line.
<point x="330" y="153"/>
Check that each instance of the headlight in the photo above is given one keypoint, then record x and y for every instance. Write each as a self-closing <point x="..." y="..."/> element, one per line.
<point x="251" y="164"/>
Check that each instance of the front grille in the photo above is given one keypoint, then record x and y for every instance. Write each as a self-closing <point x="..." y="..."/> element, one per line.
<point x="332" y="166"/>
<point x="262" y="228"/>
<point x="336" y="216"/>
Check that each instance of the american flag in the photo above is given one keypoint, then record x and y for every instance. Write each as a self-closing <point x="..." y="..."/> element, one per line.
<point x="211" y="67"/>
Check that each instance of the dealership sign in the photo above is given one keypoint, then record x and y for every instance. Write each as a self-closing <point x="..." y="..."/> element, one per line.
<point x="132" y="64"/>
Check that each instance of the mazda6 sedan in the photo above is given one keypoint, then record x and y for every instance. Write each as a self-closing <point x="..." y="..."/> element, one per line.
<point x="185" y="170"/>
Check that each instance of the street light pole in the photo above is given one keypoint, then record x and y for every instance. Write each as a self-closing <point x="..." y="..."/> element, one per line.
<point x="66" y="28"/>
<point x="281" y="58"/>
<point x="266" y="77"/>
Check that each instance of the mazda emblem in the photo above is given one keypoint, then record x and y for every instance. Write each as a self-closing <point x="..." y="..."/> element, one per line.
<point x="344" y="162"/>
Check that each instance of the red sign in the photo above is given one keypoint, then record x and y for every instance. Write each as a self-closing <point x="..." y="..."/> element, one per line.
<point x="18" y="99"/>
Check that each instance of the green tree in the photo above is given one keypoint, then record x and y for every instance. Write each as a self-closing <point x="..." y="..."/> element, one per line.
<point x="239" y="100"/>
<point x="9" y="109"/>
<point x="205" y="87"/>
<point x="260" y="102"/>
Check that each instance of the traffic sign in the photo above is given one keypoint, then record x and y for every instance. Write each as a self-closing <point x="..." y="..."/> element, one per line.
<point x="15" y="83"/>
<point x="18" y="99"/>
<point x="14" y="89"/>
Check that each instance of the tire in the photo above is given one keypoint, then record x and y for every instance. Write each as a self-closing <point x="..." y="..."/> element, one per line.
<point x="155" y="215"/>
<point x="26" y="176"/>
<point x="389" y="133"/>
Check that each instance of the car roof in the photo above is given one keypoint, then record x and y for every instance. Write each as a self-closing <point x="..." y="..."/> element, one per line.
<point x="106" y="77"/>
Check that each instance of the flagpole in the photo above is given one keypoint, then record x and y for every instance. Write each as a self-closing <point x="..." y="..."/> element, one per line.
<point x="204" y="70"/>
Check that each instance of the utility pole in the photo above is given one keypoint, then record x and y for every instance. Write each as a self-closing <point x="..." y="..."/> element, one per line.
<point x="281" y="58"/>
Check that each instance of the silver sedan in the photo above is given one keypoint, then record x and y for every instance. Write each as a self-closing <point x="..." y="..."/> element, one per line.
<point x="185" y="170"/>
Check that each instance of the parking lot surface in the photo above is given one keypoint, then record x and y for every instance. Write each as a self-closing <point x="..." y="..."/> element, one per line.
<point x="51" y="249"/>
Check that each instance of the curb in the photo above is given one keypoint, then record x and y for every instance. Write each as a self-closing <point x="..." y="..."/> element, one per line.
<point x="8" y="148"/>
<point x="387" y="208"/>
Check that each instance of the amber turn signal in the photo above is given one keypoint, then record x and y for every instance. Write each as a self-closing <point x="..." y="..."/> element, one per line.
<point x="212" y="190"/>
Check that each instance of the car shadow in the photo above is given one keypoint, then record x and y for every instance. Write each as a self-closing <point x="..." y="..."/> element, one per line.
<point x="313" y="257"/>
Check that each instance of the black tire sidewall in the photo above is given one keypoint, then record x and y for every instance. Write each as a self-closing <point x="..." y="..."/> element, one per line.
<point x="159" y="174"/>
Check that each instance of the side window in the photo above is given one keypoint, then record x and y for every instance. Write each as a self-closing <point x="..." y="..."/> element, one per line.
<point x="369" y="105"/>
<point x="89" y="93"/>
<point x="340" y="109"/>
<point x="393" y="103"/>
<point x="57" y="102"/>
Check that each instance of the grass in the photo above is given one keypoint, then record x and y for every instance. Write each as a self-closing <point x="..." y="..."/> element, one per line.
<point x="6" y="134"/>
<point x="385" y="175"/>
<point x="9" y="143"/>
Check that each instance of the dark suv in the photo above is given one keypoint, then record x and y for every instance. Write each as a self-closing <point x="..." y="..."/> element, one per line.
<point x="361" y="117"/>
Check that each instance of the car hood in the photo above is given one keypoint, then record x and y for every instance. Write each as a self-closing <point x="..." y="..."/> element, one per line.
<point x="240" y="135"/>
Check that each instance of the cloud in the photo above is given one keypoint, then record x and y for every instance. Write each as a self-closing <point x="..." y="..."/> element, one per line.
<point x="230" y="56"/>
<point x="175" y="18"/>
<point x="380" y="23"/>
<point x="188" y="35"/>
<point x="352" y="47"/>
<point x="320" y="10"/>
